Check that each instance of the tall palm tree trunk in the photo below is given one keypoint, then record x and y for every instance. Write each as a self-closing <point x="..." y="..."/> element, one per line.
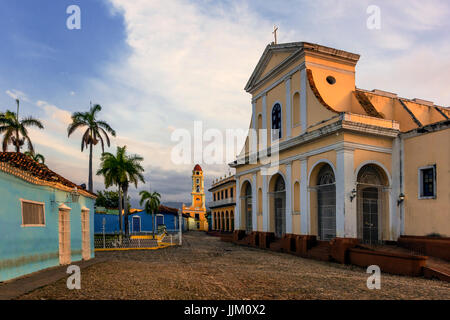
<point x="120" y="212"/>
<point x="17" y="141"/>
<point x="153" y="223"/>
<point x="126" y="211"/>
<point x="91" y="186"/>
<point x="17" y="130"/>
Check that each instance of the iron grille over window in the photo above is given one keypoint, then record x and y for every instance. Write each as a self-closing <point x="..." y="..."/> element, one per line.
<point x="33" y="214"/>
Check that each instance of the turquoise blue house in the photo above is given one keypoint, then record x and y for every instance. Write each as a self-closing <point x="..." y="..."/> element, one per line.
<point x="45" y="219"/>
<point x="139" y="221"/>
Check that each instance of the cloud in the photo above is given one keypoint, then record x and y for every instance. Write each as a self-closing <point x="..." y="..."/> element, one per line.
<point x="189" y="61"/>
<point x="17" y="94"/>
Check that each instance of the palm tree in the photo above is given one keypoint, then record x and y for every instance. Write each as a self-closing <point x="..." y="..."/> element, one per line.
<point x="121" y="170"/>
<point x="133" y="174"/>
<point x="96" y="130"/>
<point x="15" y="130"/>
<point x="39" y="158"/>
<point x="152" y="202"/>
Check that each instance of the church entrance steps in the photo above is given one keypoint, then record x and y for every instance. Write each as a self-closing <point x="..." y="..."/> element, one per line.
<point x="223" y="235"/>
<point x="389" y="257"/>
<point x="438" y="247"/>
<point x="277" y="245"/>
<point x="320" y="252"/>
<point x="433" y="273"/>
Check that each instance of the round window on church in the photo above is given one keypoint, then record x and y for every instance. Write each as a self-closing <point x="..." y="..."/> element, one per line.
<point x="331" y="80"/>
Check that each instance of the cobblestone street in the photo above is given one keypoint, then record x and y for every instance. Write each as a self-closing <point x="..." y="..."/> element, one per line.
<point x="207" y="268"/>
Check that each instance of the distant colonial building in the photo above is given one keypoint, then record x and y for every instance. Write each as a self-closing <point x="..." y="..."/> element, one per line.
<point x="197" y="211"/>
<point x="223" y="205"/>
<point x="352" y="163"/>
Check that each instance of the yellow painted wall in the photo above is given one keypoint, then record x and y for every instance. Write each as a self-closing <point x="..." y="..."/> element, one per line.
<point x="276" y="59"/>
<point x="338" y="95"/>
<point x="428" y="215"/>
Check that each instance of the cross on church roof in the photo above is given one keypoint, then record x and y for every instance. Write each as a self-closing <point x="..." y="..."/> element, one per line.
<point x="275" y="29"/>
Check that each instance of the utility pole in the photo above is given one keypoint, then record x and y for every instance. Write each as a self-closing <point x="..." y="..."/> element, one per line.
<point x="180" y="223"/>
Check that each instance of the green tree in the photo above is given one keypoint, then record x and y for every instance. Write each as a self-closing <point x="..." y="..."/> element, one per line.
<point x="107" y="199"/>
<point x="39" y="158"/>
<point x="121" y="170"/>
<point x="96" y="130"/>
<point x="152" y="201"/>
<point x="15" y="131"/>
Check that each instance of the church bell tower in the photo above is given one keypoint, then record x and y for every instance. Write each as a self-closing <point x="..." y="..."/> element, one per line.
<point x="198" y="189"/>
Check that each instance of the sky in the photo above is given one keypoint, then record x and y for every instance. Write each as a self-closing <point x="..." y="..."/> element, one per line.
<point x="157" y="66"/>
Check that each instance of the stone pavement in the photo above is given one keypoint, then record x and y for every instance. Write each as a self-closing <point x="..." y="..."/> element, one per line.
<point x="12" y="289"/>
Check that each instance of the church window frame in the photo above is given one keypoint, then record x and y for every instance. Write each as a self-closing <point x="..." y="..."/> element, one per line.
<point x="427" y="182"/>
<point x="277" y="121"/>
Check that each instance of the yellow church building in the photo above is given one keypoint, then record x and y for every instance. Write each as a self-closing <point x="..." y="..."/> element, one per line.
<point x="197" y="211"/>
<point x="353" y="163"/>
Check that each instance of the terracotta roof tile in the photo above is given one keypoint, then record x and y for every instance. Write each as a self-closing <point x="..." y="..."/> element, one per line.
<point x="37" y="170"/>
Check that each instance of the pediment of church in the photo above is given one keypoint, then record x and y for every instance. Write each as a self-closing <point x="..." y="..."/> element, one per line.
<point x="273" y="56"/>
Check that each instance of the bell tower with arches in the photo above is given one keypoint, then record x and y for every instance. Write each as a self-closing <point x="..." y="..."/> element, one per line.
<point x="198" y="188"/>
<point x="197" y="211"/>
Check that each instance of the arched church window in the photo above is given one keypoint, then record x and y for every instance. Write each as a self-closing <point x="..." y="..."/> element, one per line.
<point x="279" y="184"/>
<point x="326" y="175"/>
<point x="276" y="119"/>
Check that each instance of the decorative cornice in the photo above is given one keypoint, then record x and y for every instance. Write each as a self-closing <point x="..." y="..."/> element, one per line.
<point x="343" y="146"/>
<point x="340" y="124"/>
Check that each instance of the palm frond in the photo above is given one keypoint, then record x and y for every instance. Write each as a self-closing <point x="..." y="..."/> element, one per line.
<point x="31" y="122"/>
<point x="104" y="125"/>
<point x="74" y="126"/>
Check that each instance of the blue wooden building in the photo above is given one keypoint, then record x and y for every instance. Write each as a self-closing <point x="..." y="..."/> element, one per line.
<point x="139" y="221"/>
<point x="45" y="219"/>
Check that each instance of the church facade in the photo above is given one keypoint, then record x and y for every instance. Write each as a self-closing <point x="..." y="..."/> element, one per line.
<point x="352" y="163"/>
<point x="197" y="211"/>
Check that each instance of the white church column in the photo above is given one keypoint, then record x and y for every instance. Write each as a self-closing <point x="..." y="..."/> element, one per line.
<point x="287" y="84"/>
<point x="237" y="211"/>
<point x="288" y="186"/>
<point x="304" y="198"/>
<point x="346" y="219"/>
<point x="303" y="100"/>
<point x="395" y="210"/>
<point x="254" y="199"/>
<point x="254" y="115"/>
<point x="265" y="204"/>
<point x="264" y="122"/>
<point x="264" y="111"/>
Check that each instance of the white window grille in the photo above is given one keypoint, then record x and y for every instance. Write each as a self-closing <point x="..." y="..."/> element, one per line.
<point x="33" y="213"/>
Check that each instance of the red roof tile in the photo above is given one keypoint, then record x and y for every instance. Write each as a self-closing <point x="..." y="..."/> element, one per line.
<point x="37" y="170"/>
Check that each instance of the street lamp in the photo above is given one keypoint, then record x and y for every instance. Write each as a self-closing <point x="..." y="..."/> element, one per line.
<point x="401" y="198"/>
<point x="352" y="194"/>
